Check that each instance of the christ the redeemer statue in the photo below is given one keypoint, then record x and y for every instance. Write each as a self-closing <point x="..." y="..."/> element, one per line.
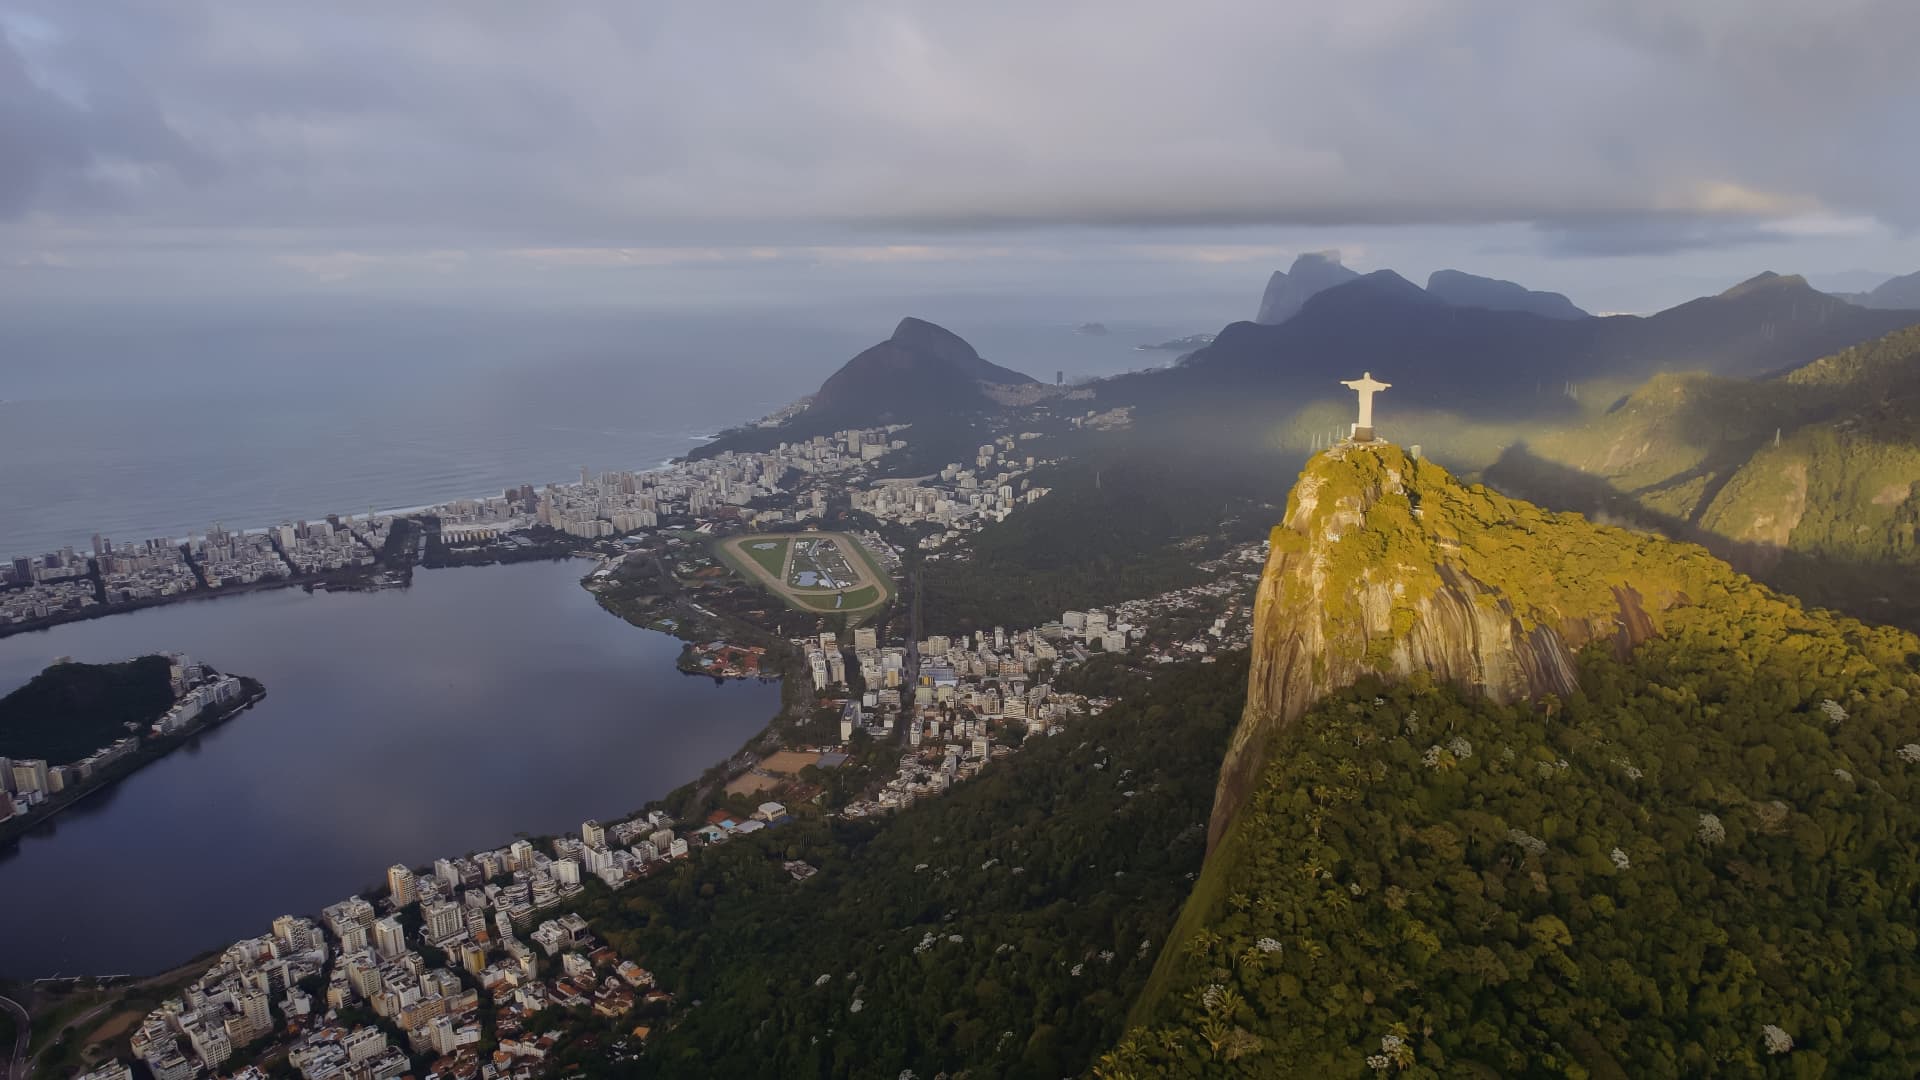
<point x="1366" y="386"/>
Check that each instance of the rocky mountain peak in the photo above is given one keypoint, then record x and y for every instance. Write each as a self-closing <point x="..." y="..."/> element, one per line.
<point x="1384" y="564"/>
<point x="1312" y="272"/>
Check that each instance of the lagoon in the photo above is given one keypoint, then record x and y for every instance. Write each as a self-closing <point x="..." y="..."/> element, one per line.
<point x="398" y="726"/>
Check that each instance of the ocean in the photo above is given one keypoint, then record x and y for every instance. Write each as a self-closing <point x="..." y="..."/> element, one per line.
<point x="144" y="422"/>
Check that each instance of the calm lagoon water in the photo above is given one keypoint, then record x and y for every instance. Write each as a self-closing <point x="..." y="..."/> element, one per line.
<point x="398" y="726"/>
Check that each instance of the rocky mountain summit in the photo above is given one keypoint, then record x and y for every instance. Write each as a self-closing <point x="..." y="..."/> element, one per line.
<point x="1386" y="565"/>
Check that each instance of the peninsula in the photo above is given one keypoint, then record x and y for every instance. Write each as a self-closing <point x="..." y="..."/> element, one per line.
<point x="75" y="729"/>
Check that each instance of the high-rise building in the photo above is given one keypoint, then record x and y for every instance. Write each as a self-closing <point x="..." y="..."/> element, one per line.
<point x="364" y="976"/>
<point x="389" y="940"/>
<point x="365" y="1043"/>
<point x="30" y="775"/>
<point x="443" y="921"/>
<point x="401" y="884"/>
<point x="593" y="834"/>
<point x="253" y="1006"/>
<point x="210" y="1043"/>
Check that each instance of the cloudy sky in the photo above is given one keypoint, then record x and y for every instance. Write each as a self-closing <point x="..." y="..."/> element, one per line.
<point x="1630" y="152"/>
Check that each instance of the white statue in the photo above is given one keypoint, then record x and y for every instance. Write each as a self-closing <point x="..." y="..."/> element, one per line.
<point x="1366" y="386"/>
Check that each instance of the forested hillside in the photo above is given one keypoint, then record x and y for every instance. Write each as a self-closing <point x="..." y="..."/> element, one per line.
<point x="1702" y="858"/>
<point x="1002" y="929"/>
<point x="70" y="710"/>
<point x="1809" y="480"/>
<point x="1116" y="527"/>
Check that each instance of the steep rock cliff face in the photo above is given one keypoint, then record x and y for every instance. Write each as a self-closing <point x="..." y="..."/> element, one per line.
<point x="1385" y="564"/>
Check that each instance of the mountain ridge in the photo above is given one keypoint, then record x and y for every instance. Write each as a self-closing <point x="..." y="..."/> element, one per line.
<point x="1809" y="479"/>
<point x="1588" y="870"/>
<point x="1895" y="292"/>
<point x="1485" y="363"/>
<point x="1462" y="289"/>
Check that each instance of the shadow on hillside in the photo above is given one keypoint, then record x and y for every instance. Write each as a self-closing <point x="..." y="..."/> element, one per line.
<point x="1881" y="591"/>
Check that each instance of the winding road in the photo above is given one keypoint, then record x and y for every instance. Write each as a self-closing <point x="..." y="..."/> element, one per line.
<point x="17" y="1064"/>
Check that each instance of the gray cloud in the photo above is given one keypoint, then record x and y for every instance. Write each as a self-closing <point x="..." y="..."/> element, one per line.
<point x="438" y="125"/>
<point x="66" y="155"/>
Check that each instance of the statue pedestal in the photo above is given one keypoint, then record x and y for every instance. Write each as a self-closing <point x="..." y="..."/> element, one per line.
<point x="1362" y="434"/>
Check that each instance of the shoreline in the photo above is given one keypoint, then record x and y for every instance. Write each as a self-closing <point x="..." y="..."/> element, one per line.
<point x="684" y="631"/>
<point x="662" y="465"/>
<point x="317" y="583"/>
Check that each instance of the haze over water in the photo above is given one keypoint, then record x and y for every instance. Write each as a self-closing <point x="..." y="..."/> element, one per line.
<point x="151" y="422"/>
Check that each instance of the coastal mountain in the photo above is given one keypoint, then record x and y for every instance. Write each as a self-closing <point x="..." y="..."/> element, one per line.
<point x="1810" y="480"/>
<point x="1514" y="793"/>
<point x="1471" y="290"/>
<point x="921" y="367"/>
<point x="923" y="374"/>
<point x="1384" y="565"/>
<point x="1899" y="292"/>
<point x="1289" y="290"/>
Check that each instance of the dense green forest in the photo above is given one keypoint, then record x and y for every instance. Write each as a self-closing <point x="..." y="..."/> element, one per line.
<point x="1002" y="928"/>
<point x="70" y="710"/>
<point x="1810" y="480"/>
<point x="1109" y="530"/>
<point x="1706" y="862"/>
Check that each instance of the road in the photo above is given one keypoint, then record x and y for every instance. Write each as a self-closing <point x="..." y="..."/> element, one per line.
<point x="17" y="1064"/>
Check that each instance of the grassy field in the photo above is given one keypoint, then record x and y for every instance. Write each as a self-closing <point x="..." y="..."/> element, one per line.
<point x="864" y="597"/>
<point x="769" y="553"/>
<point x="795" y="566"/>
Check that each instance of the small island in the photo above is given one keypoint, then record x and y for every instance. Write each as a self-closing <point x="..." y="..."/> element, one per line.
<point x="1093" y="328"/>
<point x="77" y="728"/>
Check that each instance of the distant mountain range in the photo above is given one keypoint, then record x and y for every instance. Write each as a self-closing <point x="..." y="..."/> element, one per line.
<point x="1483" y="349"/>
<point x="1470" y="290"/>
<point x="1899" y="292"/>
<point x="1488" y="363"/>
<point x="1315" y="272"/>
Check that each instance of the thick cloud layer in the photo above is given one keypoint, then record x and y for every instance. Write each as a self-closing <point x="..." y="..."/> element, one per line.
<point x="1609" y="124"/>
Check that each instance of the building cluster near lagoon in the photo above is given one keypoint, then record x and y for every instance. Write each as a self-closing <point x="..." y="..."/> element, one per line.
<point x="371" y="986"/>
<point x="786" y="485"/>
<point x="978" y="696"/>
